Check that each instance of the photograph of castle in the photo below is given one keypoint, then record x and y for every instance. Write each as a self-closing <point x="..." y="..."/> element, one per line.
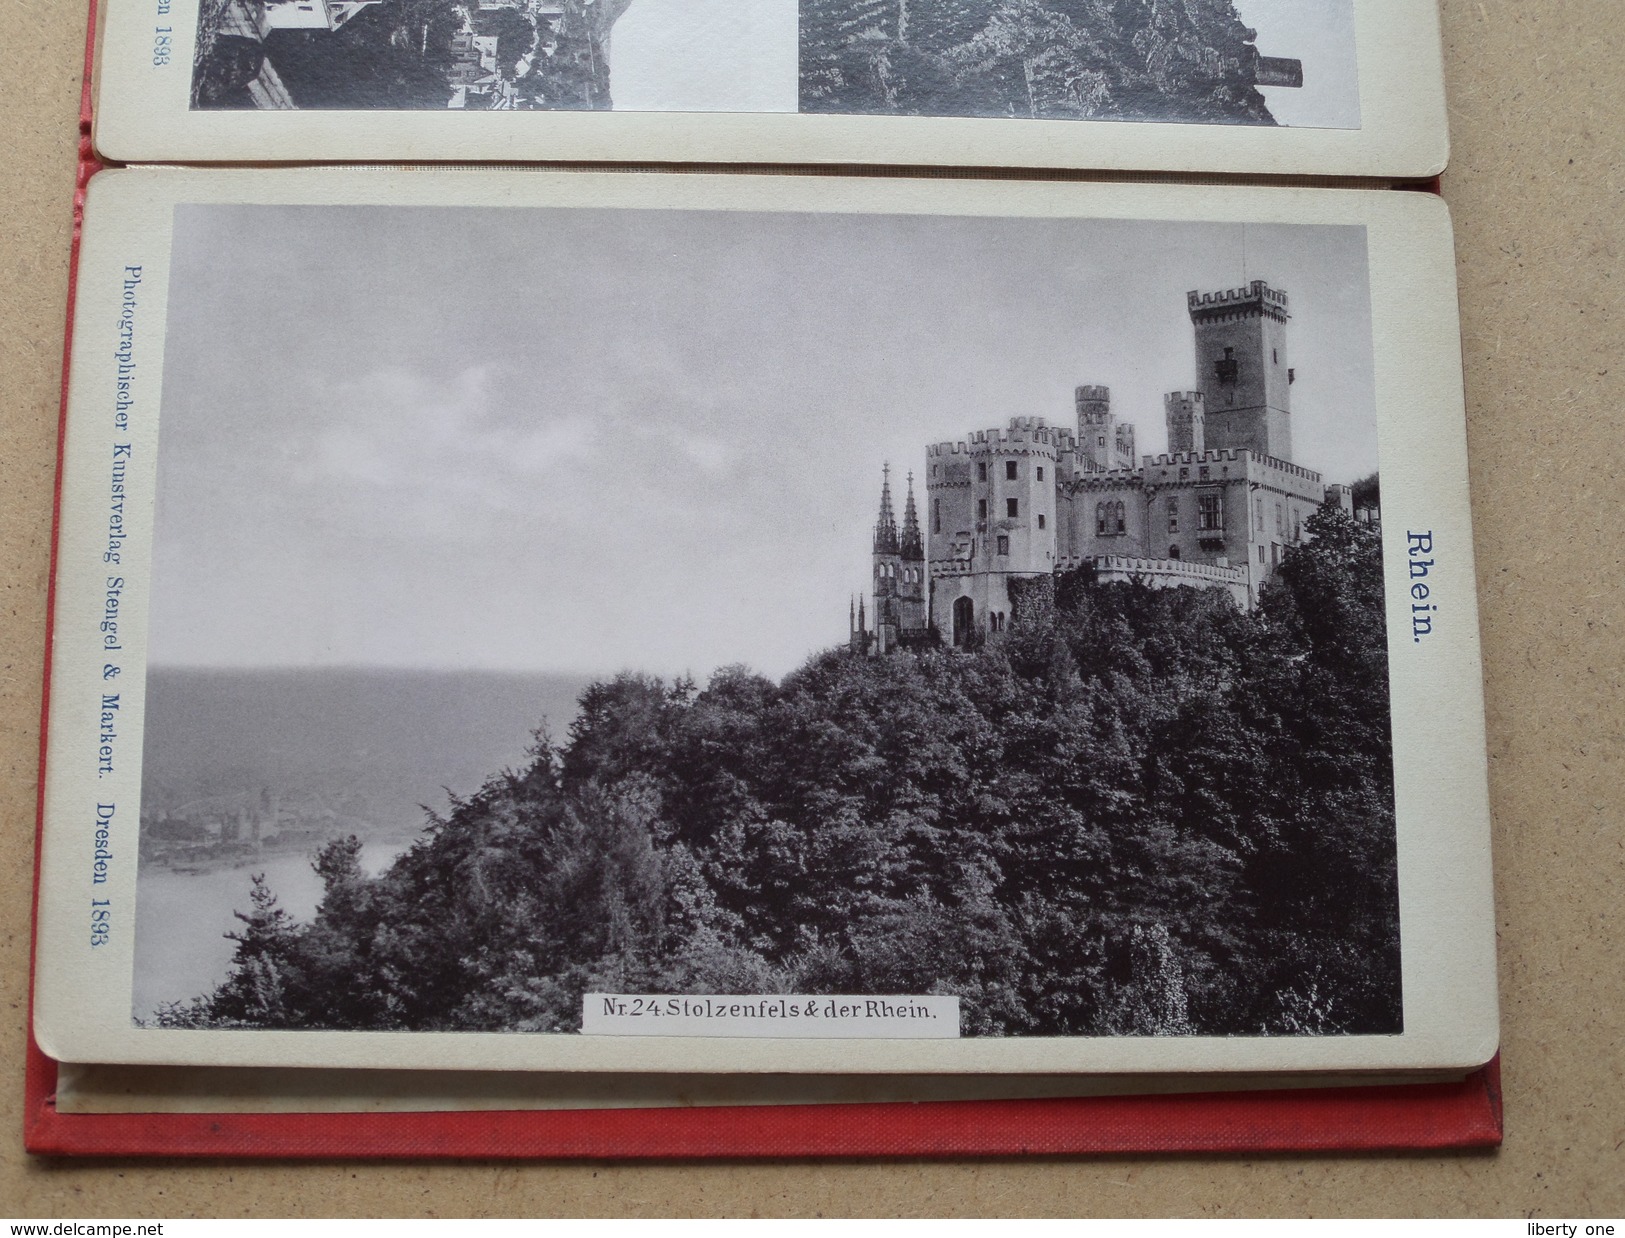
<point x="496" y="653"/>
<point x="1215" y="511"/>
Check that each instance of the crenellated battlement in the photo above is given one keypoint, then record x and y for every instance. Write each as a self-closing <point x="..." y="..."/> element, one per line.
<point x="1290" y="469"/>
<point x="1104" y="479"/>
<point x="1093" y="393"/>
<point x="1028" y="423"/>
<point x="1161" y="572"/>
<point x="1132" y="566"/>
<point x="1033" y="434"/>
<point x="1254" y="298"/>
<point x="1023" y="434"/>
<point x="1216" y="456"/>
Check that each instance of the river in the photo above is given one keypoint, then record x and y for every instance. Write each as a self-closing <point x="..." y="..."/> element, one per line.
<point x="181" y="920"/>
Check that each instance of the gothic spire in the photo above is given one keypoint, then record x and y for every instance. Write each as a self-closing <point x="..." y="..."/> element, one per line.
<point x="913" y="545"/>
<point x="886" y="527"/>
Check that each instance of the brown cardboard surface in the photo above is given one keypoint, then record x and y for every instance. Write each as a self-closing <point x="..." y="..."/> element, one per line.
<point x="1537" y="187"/>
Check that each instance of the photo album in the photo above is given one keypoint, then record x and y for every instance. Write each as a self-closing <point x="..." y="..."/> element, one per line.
<point x="669" y="637"/>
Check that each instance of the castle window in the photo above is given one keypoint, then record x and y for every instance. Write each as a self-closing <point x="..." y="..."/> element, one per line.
<point x="1297" y="527"/>
<point x="1040" y="520"/>
<point x="1100" y="520"/>
<point x="981" y="471"/>
<point x="1209" y="512"/>
<point x="1102" y="440"/>
<point x="1183" y="474"/>
<point x="1012" y="508"/>
<point x="1275" y="356"/>
<point x="936" y="515"/>
<point x="1261" y="556"/>
<point x="1040" y="472"/>
<point x="981" y="509"/>
<point x="1004" y="545"/>
<point x="1203" y="471"/>
<point x="1173" y="515"/>
<point x="1226" y="367"/>
<point x="1009" y="470"/>
<point x="1280" y="521"/>
<point x="1173" y="552"/>
<point x="1258" y="512"/>
<point x="1122" y="526"/>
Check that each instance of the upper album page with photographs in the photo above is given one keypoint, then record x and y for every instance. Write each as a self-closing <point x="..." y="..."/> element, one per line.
<point x="1248" y="87"/>
<point x="657" y="622"/>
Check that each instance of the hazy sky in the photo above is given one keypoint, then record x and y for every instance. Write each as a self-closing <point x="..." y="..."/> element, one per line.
<point x="591" y="440"/>
<point x="742" y="56"/>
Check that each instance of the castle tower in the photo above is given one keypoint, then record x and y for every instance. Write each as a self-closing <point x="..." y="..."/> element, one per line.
<point x="1186" y="416"/>
<point x="1097" y="431"/>
<point x="1241" y="368"/>
<point x="888" y="569"/>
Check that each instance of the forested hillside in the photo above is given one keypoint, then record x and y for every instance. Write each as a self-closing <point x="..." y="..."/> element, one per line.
<point x="1190" y="60"/>
<point x="1143" y="811"/>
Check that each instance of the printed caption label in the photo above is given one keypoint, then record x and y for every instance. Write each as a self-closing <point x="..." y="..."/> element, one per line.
<point x="776" y="1015"/>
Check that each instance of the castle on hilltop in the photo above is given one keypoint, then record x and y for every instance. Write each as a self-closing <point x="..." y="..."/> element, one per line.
<point x="1217" y="510"/>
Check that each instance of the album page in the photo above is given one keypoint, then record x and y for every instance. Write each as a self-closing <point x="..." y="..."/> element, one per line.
<point x="1342" y="88"/>
<point x="674" y="623"/>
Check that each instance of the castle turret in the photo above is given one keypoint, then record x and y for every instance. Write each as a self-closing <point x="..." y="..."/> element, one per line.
<point x="1241" y="368"/>
<point x="1125" y="444"/>
<point x="1096" y="432"/>
<point x="1186" y="416"/>
<point x="1104" y="443"/>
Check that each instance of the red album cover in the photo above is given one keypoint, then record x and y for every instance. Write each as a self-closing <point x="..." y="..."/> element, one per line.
<point x="1366" y="1119"/>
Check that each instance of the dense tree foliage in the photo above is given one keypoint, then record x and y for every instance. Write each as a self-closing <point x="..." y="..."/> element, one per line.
<point x="1080" y="59"/>
<point x="1143" y="811"/>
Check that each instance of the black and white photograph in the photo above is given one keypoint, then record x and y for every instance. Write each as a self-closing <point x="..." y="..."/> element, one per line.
<point x="496" y="55"/>
<point x="561" y="601"/>
<point x="1212" y="62"/>
<point x="1230" y="62"/>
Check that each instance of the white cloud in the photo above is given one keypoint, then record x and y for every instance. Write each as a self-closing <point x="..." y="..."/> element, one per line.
<point x="467" y="439"/>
